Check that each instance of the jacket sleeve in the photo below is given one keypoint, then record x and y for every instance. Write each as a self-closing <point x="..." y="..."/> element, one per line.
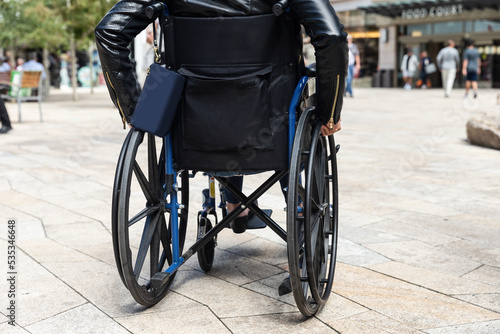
<point x="330" y="44"/>
<point x="113" y="35"/>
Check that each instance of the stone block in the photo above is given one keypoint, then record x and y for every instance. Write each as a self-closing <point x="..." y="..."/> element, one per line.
<point x="484" y="130"/>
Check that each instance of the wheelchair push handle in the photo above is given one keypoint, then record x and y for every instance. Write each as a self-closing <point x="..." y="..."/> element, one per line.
<point x="279" y="7"/>
<point x="154" y="10"/>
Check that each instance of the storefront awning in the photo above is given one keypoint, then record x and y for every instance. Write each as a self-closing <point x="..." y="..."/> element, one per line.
<point x="422" y="8"/>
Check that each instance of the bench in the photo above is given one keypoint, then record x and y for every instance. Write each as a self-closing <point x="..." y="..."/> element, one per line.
<point x="20" y="87"/>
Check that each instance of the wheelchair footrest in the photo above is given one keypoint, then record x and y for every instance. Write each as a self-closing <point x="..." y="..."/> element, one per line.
<point x="159" y="279"/>
<point x="254" y="222"/>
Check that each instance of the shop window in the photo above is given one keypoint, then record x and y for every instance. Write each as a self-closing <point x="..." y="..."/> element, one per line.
<point x="468" y="26"/>
<point x="417" y="30"/>
<point x="486" y="25"/>
<point x="454" y="27"/>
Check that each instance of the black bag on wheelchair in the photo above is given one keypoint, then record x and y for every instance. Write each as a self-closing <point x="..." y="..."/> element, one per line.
<point x="240" y="75"/>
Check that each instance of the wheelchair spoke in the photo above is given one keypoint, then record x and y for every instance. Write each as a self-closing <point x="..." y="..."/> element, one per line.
<point x="143" y="214"/>
<point x="145" y="185"/>
<point x="147" y="235"/>
<point x="152" y="161"/>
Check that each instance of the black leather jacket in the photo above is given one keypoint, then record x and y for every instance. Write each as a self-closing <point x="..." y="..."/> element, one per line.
<point x="127" y="18"/>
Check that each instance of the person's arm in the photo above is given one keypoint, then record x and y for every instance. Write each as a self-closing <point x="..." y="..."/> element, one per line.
<point x="113" y="36"/>
<point x="330" y="44"/>
<point x="358" y="60"/>
<point x="439" y="59"/>
<point x="465" y="64"/>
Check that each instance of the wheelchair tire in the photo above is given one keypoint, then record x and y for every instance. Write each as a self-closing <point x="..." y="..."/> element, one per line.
<point x="114" y="206"/>
<point x="207" y="253"/>
<point x="143" y="221"/>
<point x="311" y="215"/>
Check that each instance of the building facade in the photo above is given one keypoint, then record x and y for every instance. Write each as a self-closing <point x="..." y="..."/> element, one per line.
<point x="387" y="28"/>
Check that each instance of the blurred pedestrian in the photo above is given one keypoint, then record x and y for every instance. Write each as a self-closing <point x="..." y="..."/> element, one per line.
<point x="33" y="65"/>
<point x="425" y="69"/>
<point x="448" y="61"/>
<point x="4" y="64"/>
<point x="19" y="63"/>
<point x="354" y="64"/>
<point x="471" y="67"/>
<point x="409" y="66"/>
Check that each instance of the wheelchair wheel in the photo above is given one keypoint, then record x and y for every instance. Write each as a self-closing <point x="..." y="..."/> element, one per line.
<point x="312" y="215"/>
<point x="143" y="222"/>
<point x="206" y="253"/>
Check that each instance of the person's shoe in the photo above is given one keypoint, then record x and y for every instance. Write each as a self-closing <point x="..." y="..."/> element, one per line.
<point x="465" y="96"/>
<point x="285" y="287"/>
<point x="475" y="95"/>
<point x="239" y="224"/>
<point x="5" y="129"/>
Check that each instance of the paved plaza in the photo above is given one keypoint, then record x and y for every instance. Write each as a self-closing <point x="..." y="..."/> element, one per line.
<point x="419" y="234"/>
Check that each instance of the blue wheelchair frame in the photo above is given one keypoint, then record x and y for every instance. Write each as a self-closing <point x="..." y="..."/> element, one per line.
<point x="173" y="205"/>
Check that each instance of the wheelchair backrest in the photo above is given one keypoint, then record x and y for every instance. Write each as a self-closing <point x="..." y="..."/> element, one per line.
<point x="241" y="73"/>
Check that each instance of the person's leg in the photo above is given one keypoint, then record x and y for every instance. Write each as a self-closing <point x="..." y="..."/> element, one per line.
<point x="444" y="79"/>
<point x="467" y="86"/>
<point x="239" y="224"/>
<point x="232" y="201"/>
<point x="4" y="118"/>
<point x="350" y="75"/>
<point x="451" y="81"/>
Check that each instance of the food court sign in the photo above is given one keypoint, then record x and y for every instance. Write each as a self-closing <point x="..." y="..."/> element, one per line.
<point x="434" y="11"/>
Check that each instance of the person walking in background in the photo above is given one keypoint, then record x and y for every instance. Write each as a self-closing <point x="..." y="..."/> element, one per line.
<point x="409" y="65"/>
<point x="354" y="63"/>
<point x="425" y="61"/>
<point x="448" y="61"/>
<point x="471" y="67"/>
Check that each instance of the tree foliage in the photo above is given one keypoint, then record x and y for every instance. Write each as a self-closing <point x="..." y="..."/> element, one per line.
<point x="49" y="23"/>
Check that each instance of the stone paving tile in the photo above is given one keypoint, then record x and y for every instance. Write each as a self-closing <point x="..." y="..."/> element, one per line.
<point x="406" y="303"/>
<point x="238" y="269"/>
<point x="262" y="250"/>
<point x="432" y="280"/>
<point x="370" y="322"/>
<point x="338" y="308"/>
<point x="277" y="323"/>
<point x="485" y="274"/>
<point x="47" y="250"/>
<point x="357" y="219"/>
<point x="482" y="252"/>
<point x="41" y="294"/>
<point x="84" y="319"/>
<point x="105" y="290"/>
<point x="367" y="235"/>
<point x="489" y="301"/>
<point x="410" y="231"/>
<point x="196" y="320"/>
<point x="226" y="299"/>
<point x="70" y="234"/>
<point x="354" y="254"/>
<point x="419" y="254"/>
<point x="9" y="329"/>
<point x="487" y="327"/>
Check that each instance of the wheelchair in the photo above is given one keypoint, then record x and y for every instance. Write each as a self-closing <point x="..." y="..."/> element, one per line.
<point x="151" y="201"/>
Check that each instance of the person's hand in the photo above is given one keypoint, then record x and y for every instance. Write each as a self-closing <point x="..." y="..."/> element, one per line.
<point x="330" y="128"/>
<point x="464" y="72"/>
<point x="478" y="71"/>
